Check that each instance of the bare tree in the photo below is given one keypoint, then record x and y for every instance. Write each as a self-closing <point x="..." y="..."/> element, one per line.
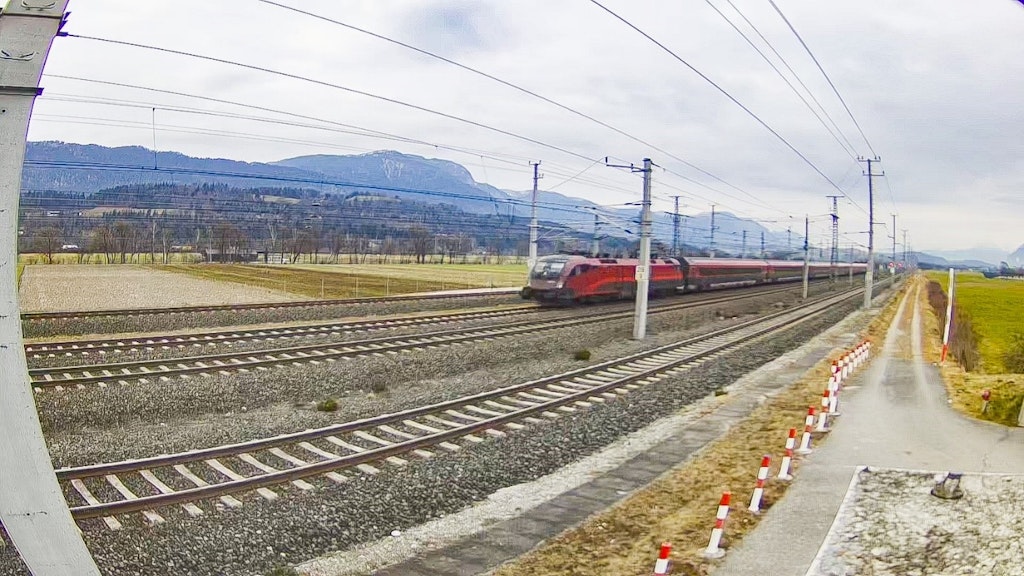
<point x="47" y="241"/>
<point x="420" y="239"/>
<point x="104" y="242"/>
<point x="124" y="239"/>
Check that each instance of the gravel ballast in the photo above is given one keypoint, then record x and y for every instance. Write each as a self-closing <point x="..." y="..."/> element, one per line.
<point x="303" y="525"/>
<point x="163" y="322"/>
<point x="90" y="425"/>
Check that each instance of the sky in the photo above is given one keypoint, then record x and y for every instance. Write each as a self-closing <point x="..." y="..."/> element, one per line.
<point x="933" y="86"/>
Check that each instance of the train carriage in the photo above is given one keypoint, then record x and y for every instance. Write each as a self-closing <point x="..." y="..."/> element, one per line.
<point x="573" y="279"/>
<point x="568" y="279"/>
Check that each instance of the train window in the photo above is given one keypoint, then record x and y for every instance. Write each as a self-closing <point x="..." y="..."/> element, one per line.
<point x="547" y="269"/>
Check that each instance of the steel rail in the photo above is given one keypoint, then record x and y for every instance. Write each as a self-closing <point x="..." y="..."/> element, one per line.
<point x="160" y="368"/>
<point x="268" y="333"/>
<point x="762" y="326"/>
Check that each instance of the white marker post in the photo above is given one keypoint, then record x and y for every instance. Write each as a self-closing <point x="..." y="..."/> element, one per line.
<point x="949" y="315"/>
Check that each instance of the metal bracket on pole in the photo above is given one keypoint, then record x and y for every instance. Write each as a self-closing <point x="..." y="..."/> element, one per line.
<point x="32" y="506"/>
<point x="643" y="266"/>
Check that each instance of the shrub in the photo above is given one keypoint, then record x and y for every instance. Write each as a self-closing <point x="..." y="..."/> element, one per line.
<point x="582" y="355"/>
<point x="379" y="387"/>
<point x="329" y="405"/>
<point x="1013" y="358"/>
<point x="964" y="340"/>
<point x="937" y="299"/>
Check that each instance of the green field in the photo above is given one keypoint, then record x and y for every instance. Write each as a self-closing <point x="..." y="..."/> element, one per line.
<point x="997" y="311"/>
<point x="21" y="269"/>
<point x="357" y="280"/>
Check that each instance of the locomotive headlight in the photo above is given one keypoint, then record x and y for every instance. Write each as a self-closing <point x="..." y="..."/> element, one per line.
<point x="559" y="284"/>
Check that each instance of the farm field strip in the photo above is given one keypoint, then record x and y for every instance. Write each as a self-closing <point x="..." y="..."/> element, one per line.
<point x="107" y="345"/>
<point x="75" y="314"/>
<point x="351" y="280"/>
<point x="164" y="369"/>
<point x="396" y="438"/>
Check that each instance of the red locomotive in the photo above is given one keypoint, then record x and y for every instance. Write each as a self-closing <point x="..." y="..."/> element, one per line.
<point x="567" y="279"/>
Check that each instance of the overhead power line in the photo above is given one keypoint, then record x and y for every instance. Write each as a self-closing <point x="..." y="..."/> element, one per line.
<point x="793" y="72"/>
<point x="729" y="96"/>
<point x="823" y="73"/>
<point x="335" y="86"/>
<point x="845" y="142"/>
<point x="508" y="84"/>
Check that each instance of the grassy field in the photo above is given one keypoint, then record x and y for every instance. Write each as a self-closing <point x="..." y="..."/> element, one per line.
<point x="21" y="269"/>
<point x="997" y="310"/>
<point x="99" y="259"/>
<point x="353" y="281"/>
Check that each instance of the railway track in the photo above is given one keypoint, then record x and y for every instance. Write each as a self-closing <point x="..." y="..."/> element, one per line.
<point x="361" y="447"/>
<point x="164" y="369"/>
<point x="73" y="315"/>
<point x="216" y="337"/>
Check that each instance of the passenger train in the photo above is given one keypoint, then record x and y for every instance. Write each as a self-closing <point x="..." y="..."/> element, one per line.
<point x="569" y="279"/>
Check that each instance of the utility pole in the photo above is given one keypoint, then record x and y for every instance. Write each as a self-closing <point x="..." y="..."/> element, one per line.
<point x="33" y="510"/>
<point x="869" y="277"/>
<point x="532" y="260"/>
<point x="711" y="252"/>
<point x="834" y="257"/>
<point x="851" y="265"/>
<point x="789" y="239"/>
<point x="743" y="250"/>
<point x="643" y="266"/>
<point x="595" y="247"/>
<point x="807" y="254"/>
<point x="905" y="251"/>
<point x="762" y="244"/>
<point x="675" y="228"/>
<point x="894" y="247"/>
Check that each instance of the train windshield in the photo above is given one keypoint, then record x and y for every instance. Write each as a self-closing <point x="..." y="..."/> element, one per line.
<point x="547" y="269"/>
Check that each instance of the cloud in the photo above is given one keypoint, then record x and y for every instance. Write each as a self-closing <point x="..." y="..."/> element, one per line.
<point x="934" y="84"/>
<point x="452" y="27"/>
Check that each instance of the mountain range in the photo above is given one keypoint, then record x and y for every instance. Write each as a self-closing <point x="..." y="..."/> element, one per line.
<point x="89" y="168"/>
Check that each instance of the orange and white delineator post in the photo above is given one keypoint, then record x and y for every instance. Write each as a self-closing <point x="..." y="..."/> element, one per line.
<point x="714" y="549"/>
<point x="661" y="566"/>
<point x="805" y="440"/>
<point x="787" y="460"/>
<point x="833" y="405"/>
<point x="762" y="475"/>
<point x="826" y="402"/>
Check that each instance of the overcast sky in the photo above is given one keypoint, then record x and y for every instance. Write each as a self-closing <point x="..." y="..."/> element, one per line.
<point x="935" y="85"/>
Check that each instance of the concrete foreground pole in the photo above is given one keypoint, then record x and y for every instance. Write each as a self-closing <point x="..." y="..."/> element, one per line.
<point x="32" y="507"/>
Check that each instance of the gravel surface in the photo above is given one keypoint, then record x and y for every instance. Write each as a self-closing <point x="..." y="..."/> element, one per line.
<point x="257" y="536"/>
<point x="303" y="525"/>
<point x="890" y="524"/>
<point x="48" y="328"/>
<point x="89" y="426"/>
<point x="174" y="351"/>
<point x="59" y="287"/>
